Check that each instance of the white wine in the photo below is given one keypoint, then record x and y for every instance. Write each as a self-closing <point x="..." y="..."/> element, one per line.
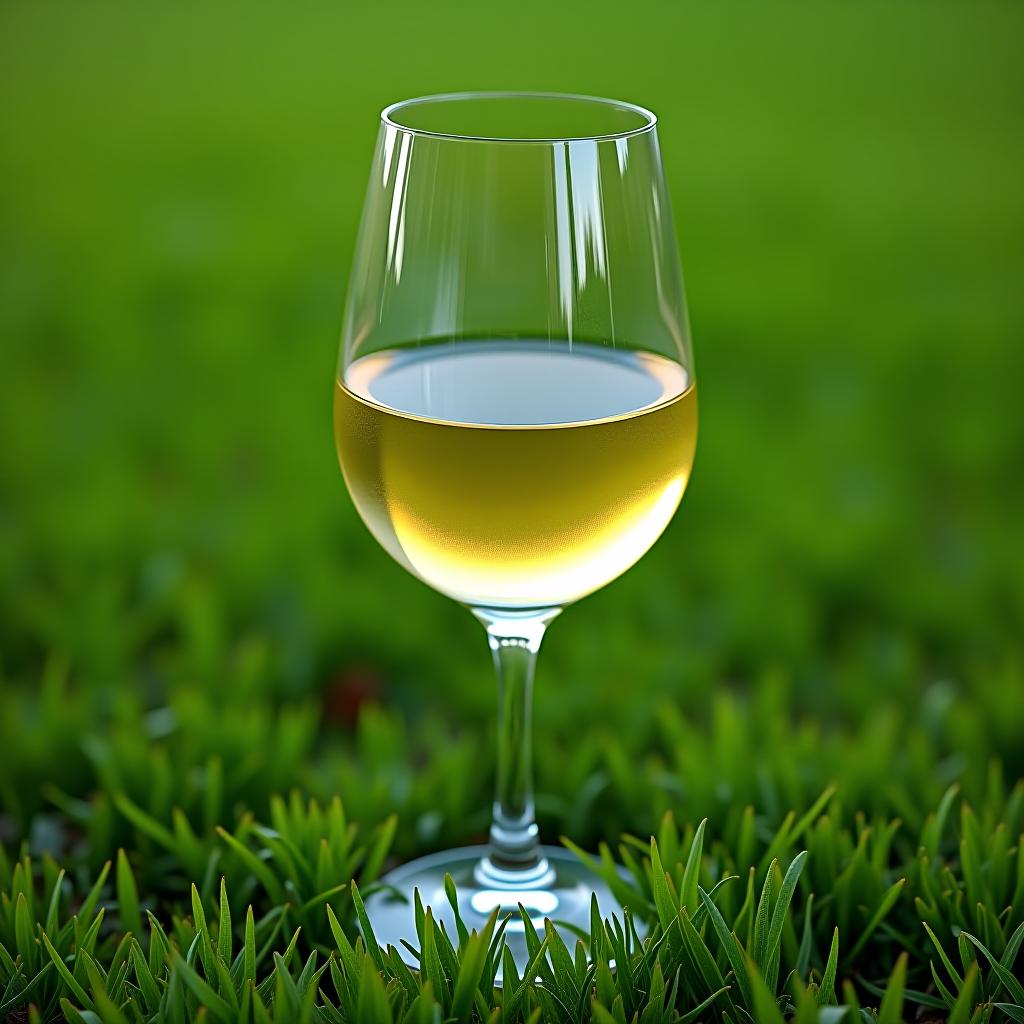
<point x="515" y="474"/>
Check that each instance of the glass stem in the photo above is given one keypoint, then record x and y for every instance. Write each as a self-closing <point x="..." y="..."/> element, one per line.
<point x="514" y="857"/>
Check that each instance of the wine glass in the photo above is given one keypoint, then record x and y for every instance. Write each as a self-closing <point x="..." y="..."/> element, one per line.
<point x="515" y="414"/>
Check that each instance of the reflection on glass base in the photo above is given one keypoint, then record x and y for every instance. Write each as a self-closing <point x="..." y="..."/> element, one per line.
<point x="563" y="896"/>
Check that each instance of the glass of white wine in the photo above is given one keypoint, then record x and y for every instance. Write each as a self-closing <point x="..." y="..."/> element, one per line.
<point x="515" y="414"/>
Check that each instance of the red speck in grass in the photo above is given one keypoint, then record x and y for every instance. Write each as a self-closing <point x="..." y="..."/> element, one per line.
<point x="346" y="693"/>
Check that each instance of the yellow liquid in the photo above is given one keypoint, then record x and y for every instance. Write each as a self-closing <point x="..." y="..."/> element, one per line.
<point x="518" y="474"/>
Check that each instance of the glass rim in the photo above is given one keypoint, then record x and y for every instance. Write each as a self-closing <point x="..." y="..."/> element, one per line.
<point x="388" y="119"/>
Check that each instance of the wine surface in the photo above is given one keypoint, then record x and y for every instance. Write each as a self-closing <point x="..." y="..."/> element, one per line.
<point x="515" y="474"/>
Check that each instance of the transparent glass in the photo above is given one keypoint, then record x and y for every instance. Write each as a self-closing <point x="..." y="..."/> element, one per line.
<point x="515" y="413"/>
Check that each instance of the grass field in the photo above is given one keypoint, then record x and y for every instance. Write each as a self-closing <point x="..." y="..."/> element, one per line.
<point x="193" y="620"/>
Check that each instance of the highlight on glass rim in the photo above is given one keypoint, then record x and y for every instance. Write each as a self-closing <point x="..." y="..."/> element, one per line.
<point x="255" y="766"/>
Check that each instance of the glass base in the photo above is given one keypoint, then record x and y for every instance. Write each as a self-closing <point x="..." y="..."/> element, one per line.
<point x="561" y="891"/>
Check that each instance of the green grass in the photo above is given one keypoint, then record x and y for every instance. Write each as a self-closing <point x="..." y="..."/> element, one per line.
<point x="747" y="924"/>
<point x="194" y="625"/>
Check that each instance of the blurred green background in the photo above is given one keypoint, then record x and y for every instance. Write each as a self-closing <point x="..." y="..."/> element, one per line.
<point x="183" y="575"/>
